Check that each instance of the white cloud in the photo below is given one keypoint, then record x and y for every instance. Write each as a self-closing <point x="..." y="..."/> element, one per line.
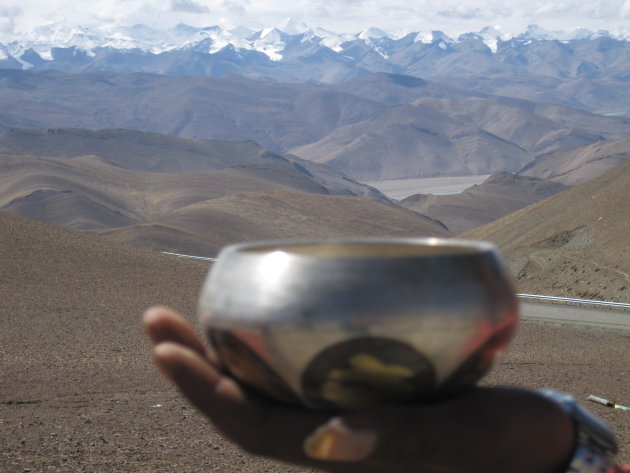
<point x="188" y="6"/>
<point x="235" y="8"/>
<point x="466" y="12"/>
<point x="451" y="16"/>
<point x="8" y="16"/>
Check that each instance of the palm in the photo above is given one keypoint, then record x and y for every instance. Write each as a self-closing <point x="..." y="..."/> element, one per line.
<point x="485" y="430"/>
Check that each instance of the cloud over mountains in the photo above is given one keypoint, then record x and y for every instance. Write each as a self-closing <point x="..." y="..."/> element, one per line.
<point x="352" y="16"/>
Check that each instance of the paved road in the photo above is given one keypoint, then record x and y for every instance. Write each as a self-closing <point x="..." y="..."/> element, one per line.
<point x="603" y="319"/>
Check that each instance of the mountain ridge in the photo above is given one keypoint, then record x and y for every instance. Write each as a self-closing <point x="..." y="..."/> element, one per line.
<point x="585" y="70"/>
<point x="475" y="133"/>
<point x="270" y="41"/>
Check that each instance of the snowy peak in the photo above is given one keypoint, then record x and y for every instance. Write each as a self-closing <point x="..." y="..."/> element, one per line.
<point x="372" y="33"/>
<point x="270" y="41"/>
<point x="293" y="27"/>
<point x="295" y="45"/>
<point x="537" y="33"/>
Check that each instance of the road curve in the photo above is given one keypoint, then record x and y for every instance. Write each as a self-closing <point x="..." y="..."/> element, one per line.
<point x="584" y="317"/>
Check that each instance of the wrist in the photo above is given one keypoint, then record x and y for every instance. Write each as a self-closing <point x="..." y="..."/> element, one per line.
<point x="594" y="443"/>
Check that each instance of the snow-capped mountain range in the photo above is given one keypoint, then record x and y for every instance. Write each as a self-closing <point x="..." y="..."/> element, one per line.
<point x="44" y="46"/>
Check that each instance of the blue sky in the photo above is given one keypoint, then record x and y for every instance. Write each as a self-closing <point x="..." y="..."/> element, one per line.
<point x="343" y="16"/>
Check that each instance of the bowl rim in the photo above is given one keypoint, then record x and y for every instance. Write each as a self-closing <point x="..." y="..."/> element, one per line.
<point x="471" y="247"/>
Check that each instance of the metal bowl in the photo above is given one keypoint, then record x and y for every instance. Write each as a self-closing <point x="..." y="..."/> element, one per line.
<point x="353" y="323"/>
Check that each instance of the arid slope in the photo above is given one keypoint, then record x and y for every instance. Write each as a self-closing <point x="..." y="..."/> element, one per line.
<point x="190" y="196"/>
<point x="203" y="228"/>
<point x="499" y="195"/>
<point x="456" y="136"/>
<point x="578" y="165"/>
<point x="574" y="243"/>
<point x="86" y="192"/>
<point x="153" y="152"/>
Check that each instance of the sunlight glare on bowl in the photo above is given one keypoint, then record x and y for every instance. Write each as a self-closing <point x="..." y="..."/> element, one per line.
<point x="273" y="265"/>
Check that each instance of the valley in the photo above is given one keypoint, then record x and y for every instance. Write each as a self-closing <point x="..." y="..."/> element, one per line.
<point x="399" y="189"/>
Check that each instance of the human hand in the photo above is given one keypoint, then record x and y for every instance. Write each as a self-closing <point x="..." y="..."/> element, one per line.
<point x="484" y="430"/>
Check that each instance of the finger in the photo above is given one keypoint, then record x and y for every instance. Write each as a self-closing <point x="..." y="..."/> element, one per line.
<point x="261" y="427"/>
<point x="217" y="396"/>
<point x="162" y="324"/>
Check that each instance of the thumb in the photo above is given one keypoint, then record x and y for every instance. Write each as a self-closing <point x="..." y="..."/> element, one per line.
<point x="337" y="441"/>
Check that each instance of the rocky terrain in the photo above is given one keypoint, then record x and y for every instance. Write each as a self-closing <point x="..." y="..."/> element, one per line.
<point x="573" y="244"/>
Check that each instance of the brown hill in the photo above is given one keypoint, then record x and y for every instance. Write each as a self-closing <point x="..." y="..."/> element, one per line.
<point x="456" y="136"/>
<point x="277" y="116"/>
<point x="413" y="140"/>
<point x="578" y="165"/>
<point x="191" y="212"/>
<point x="572" y="244"/>
<point x="142" y="151"/>
<point x="396" y="89"/>
<point x="203" y="228"/>
<point x="500" y="194"/>
<point x="79" y="390"/>
<point x="88" y="193"/>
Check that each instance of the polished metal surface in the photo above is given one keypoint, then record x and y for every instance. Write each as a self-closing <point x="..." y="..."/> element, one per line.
<point x="353" y="323"/>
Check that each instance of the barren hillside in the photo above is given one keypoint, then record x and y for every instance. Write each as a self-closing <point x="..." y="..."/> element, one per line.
<point x="577" y="165"/>
<point x="153" y="152"/>
<point x="88" y="193"/>
<point x="574" y="243"/>
<point x="456" y="136"/>
<point x="190" y="196"/>
<point x="499" y="195"/>
<point x="203" y="228"/>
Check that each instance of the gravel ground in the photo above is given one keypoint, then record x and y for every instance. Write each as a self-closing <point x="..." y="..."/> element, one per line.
<point x="79" y="392"/>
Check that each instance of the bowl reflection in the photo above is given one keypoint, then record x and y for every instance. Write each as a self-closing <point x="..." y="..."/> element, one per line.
<point x="353" y="323"/>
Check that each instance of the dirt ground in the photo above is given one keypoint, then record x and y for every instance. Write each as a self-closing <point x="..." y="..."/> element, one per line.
<point x="70" y="410"/>
<point x="78" y="392"/>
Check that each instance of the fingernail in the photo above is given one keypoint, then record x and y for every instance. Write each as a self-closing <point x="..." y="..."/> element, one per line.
<point x="335" y="441"/>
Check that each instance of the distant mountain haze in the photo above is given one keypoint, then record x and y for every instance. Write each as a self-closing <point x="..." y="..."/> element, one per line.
<point x="457" y="136"/>
<point x="583" y="69"/>
<point x="276" y="116"/>
<point x="442" y="132"/>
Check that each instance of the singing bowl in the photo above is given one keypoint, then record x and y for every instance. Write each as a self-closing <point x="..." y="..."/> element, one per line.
<point x="350" y="324"/>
